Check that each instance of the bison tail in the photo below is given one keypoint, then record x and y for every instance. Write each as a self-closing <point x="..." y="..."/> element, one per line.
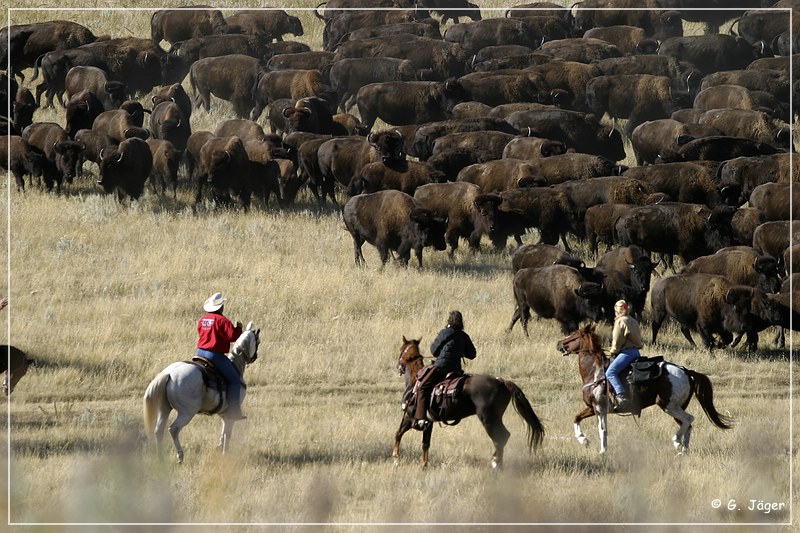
<point x="524" y="409"/>
<point x="705" y="395"/>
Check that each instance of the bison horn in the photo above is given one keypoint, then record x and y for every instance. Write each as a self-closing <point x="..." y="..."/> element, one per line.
<point x="119" y="157"/>
<point x="101" y="153"/>
<point x="228" y="154"/>
<point x="284" y="112"/>
<point x="178" y="125"/>
<point x="529" y="132"/>
<point x="153" y="99"/>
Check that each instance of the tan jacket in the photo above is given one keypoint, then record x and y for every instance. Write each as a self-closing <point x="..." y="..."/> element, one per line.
<point x="626" y="334"/>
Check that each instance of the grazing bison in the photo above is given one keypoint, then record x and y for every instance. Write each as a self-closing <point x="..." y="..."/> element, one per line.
<point x="556" y="291"/>
<point x="392" y="220"/>
<point x="125" y="169"/>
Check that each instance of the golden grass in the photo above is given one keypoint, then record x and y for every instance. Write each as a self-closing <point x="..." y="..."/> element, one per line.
<point x="105" y="296"/>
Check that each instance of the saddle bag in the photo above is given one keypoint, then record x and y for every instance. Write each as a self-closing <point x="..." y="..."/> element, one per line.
<point x="645" y="370"/>
<point x="445" y="397"/>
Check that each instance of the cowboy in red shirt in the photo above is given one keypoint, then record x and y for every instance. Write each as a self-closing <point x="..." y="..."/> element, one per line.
<point x="216" y="334"/>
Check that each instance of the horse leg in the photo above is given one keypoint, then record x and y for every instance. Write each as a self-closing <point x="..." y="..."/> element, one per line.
<point x="499" y="435"/>
<point x="681" y="438"/>
<point x="602" y="429"/>
<point x="225" y="436"/>
<point x="405" y="425"/>
<point x="426" y="444"/>
<point x="586" y="413"/>
<point x="175" y="428"/>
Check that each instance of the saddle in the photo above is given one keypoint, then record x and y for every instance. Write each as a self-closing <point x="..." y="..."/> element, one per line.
<point x="645" y="370"/>
<point x="212" y="378"/>
<point x="444" y="396"/>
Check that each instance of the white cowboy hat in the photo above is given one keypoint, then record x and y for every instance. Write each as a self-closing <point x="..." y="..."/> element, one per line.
<point x="214" y="302"/>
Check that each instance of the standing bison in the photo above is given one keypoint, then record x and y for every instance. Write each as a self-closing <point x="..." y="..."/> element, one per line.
<point x="392" y="220"/>
<point x="124" y="169"/>
<point x="558" y="292"/>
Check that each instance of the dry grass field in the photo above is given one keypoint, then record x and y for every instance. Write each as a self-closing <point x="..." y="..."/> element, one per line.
<point x="104" y="296"/>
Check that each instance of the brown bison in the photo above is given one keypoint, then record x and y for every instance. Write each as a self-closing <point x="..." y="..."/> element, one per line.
<point x="124" y="169"/>
<point x="710" y="305"/>
<point x="558" y="292"/>
<point x="392" y="220"/>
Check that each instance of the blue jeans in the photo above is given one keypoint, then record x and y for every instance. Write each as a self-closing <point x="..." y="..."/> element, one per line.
<point x="228" y="371"/>
<point x="620" y="362"/>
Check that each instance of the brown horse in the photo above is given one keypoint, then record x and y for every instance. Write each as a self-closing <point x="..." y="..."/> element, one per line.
<point x="671" y="391"/>
<point x="13" y="364"/>
<point x="485" y="396"/>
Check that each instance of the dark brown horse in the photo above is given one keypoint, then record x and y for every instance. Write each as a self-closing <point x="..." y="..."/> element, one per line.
<point x="672" y="391"/>
<point x="14" y="364"/>
<point x="485" y="396"/>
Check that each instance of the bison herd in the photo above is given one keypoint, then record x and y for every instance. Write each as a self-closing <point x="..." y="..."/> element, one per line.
<point x="493" y="124"/>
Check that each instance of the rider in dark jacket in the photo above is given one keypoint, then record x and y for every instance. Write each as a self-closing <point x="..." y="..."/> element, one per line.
<point x="449" y="346"/>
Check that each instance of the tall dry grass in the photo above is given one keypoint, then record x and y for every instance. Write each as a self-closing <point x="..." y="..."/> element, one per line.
<point x="105" y="296"/>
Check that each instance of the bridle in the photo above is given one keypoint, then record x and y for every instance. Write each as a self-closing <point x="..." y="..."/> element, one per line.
<point x="403" y="362"/>
<point x="583" y="348"/>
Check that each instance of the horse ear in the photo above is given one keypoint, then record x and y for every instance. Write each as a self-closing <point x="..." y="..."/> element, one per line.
<point x="405" y="341"/>
<point x="249" y="326"/>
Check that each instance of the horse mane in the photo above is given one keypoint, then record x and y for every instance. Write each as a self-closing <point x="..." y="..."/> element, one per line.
<point x="245" y="344"/>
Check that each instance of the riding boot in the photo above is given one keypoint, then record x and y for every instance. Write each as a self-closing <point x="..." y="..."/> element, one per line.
<point x="623" y="404"/>
<point x="234" y="411"/>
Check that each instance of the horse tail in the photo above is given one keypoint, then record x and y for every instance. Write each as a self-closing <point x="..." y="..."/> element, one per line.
<point x="154" y="396"/>
<point x="524" y="409"/>
<point x="705" y="395"/>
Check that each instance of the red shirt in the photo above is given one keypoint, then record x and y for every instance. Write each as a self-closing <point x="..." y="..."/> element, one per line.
<point x="216" y="333"/>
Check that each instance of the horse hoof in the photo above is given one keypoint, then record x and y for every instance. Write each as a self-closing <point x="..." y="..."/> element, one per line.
<point x="583" y="441"/>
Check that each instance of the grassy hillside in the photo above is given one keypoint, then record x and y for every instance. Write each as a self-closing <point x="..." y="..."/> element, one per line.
<point x="104" y="296"/>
